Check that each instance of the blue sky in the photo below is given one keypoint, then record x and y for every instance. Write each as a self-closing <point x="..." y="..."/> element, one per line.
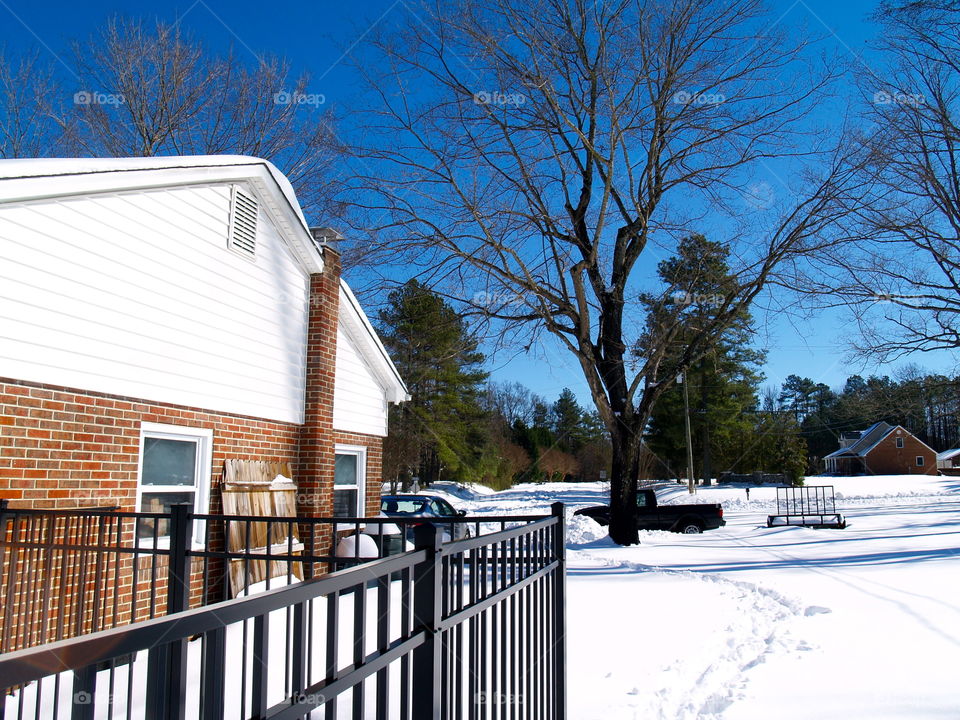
<point x="319" y="37"/>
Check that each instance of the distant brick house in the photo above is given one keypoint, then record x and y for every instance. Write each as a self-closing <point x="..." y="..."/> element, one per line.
<point x="161" y="315"/>
<point x="881" y="449"/>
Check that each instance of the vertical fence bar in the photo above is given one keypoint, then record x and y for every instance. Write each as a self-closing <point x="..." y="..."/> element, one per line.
<point x="260" y="672"/>
<point x="213" y="668"/>
<point x="427" y="690"/>
<point x="167" y="664"/>
<point x="560" y="612"/>
<point x="84" y="686"/>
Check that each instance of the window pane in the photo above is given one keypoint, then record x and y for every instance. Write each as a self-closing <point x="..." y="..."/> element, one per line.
<point x="345" y="470"/>
<point x="159" y="503"/>
<point x="169" y="462"/>
<point x="345" y="503"/>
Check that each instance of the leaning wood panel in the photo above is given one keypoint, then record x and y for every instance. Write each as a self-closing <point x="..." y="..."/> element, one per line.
<point x="253" y="487"/>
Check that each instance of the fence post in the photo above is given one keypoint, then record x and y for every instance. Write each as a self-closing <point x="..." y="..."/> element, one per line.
<point x="427" y="691"/>
<point x="167" y="664"/>
<point x="560" y="610"/>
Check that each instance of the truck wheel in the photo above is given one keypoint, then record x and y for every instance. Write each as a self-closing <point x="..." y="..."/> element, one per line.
<point x="690" y="528"/>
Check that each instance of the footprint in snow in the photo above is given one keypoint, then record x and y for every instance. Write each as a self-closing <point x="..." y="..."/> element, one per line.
<point x="816" y="610"/>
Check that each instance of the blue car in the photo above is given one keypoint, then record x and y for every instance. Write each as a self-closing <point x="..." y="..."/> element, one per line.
<point x="426" y="509"/>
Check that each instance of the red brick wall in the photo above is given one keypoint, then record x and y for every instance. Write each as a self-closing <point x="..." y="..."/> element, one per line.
<point x="315" y="453"/>
<point x="63" y="448"/>
<point x="887" y="459"/>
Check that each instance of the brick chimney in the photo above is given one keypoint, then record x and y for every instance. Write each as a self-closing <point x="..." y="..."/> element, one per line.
<point x="316" y="446"/>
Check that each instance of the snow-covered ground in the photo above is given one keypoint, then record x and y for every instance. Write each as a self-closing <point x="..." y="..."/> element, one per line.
<point x="747" y="622"/>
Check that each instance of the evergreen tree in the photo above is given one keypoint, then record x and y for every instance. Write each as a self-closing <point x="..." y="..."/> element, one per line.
<point x="441" y="432"/>
<point x="567" y="422"/>
<point x="722" y="386"/>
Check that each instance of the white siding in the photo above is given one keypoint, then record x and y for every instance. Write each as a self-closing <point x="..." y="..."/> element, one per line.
<point x="138" y="295"/>
<point x="359" y="402"/>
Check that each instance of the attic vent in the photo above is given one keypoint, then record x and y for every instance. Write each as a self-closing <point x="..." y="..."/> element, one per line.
<point x="243" y="223"/>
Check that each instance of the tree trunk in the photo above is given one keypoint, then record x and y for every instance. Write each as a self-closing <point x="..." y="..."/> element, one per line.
<point x="623" y="487"/>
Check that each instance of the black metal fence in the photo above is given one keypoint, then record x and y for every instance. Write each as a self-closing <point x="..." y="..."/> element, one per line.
<point x="466" y="629"/>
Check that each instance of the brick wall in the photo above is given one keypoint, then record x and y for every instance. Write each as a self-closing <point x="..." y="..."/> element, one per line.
<point x="64" y="448"/>
<point x="316" y="440"/>
<point x="887" y="459"/>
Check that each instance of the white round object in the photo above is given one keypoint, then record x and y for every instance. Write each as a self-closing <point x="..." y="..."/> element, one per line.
<point x="348" y="547"/>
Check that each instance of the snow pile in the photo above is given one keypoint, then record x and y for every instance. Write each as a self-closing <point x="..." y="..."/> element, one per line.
<point x="581" y="530"/>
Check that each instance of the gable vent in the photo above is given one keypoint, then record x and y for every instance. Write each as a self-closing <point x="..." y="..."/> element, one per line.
<point x="243" y="223"/>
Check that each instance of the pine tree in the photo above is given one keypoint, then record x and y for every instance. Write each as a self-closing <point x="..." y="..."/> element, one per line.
<point x="441" y="432"/>
<point x="722" y="386"/>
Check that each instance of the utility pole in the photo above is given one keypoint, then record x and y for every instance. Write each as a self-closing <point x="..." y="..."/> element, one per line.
<point x="691" y="483"/>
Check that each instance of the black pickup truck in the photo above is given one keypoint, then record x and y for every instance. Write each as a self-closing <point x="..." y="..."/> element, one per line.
<point x="652" y="516"/>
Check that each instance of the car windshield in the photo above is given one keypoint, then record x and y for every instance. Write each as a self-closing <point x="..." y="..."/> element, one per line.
<point x="406" y="506"/>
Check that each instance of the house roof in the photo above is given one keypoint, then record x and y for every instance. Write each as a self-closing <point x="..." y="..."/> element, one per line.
<point x="870" y="438"/>
<point x="24" y="180"/>
<point x="947" y="454"/>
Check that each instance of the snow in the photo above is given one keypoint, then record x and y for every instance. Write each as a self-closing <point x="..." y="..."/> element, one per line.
<point x="741" y="623"/>
<point x="749" y="622"/>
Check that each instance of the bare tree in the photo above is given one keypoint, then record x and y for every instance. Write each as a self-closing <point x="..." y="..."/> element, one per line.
<point x="513" y="401"/>
<point x="152" y="90"/>
<point x="28" y="107"/>
<point x="535" y="160"/>
<point x="901" y="276"/>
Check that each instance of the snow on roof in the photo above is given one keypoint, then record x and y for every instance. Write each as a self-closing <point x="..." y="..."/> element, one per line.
<point x="947" y="454"/>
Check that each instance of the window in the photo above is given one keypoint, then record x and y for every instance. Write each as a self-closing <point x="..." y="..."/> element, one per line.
<point x="919" y="460"/>
<point x="174" y="468"/>
<point x="899" y="442"/>
<point x="442" y="508"/>
<point x="350" y="464"/>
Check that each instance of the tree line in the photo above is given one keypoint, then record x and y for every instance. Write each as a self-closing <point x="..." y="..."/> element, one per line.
<point x="458" y="425"/>
<point x="461" y="426"/>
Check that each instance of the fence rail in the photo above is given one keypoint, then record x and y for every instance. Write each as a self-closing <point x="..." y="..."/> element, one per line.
<point x="460" y="630"/>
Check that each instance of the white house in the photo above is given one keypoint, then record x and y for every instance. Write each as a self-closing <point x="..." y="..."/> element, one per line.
<point x="159" y="316"/>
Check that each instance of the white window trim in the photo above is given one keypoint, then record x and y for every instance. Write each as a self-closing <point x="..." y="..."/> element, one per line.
<point x="204" y="439"/>
<point x="920" y="461"/>
<point x="899" y="442"/>
<point x="361" y="452"/>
